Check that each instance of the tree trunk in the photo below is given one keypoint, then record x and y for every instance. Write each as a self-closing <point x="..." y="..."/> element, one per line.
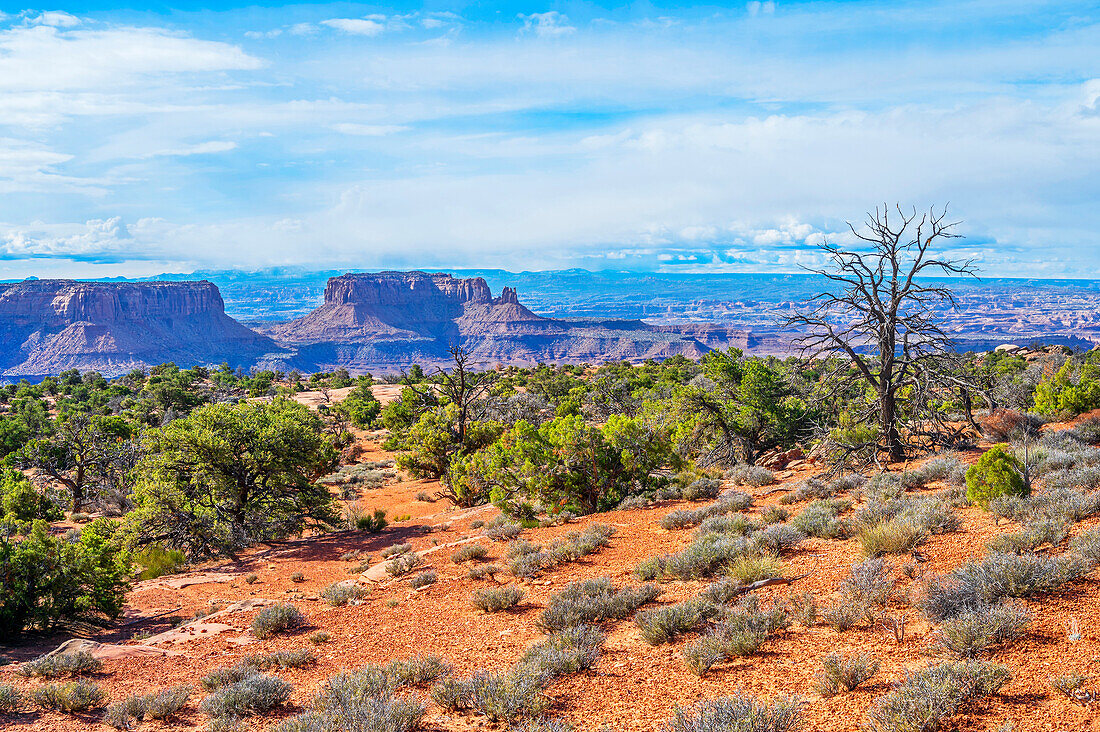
<point x="895" y="450"/>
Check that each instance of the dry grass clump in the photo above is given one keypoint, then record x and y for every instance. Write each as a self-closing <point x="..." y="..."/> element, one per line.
<point x="469" y="552"/>
<point x="686" y="518"/>
<point x="740" y="631"/>
<point x="10" y="698"/>
<point x="751" y="475"/>
<point x="158" y="705"/>
<point x="496" y="599"/>
<point x="70" y="697"/>
<point x="341" y="593"/>
<point x="61" y="664"/>
<point x="737" y="714"/>
<point x="926" y="699"/>
<point x="424" y="579"/>
<point x="844" y="673"/>
<point x="663" y="624"/>
<point x="277" y="619"/>
<point x="252" y="695"/>
<point x="593" y="601"/>
<point x="890" y="537"/>
<point x="402" y="564"/>
<point x="978" y="632"/>
<point x="528" y="560"/>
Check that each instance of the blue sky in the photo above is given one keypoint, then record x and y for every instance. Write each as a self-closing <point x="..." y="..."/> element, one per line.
<point x="147" y="137"/>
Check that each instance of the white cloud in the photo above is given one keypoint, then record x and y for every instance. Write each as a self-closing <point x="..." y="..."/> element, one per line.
<point x="56" y="18"/>
<point x="202" y="148"/>
<point x="106" y="59"/>
<point x="351" y="128"/>
<point x="550" y="24"/>
<point x="355" y="26"/>
<point x="756" y="8"/>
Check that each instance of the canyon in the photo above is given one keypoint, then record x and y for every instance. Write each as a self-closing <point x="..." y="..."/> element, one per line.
<point x="385" y="322"/>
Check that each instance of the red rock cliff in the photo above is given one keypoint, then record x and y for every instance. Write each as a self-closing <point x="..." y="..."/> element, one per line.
<point x="47" y="326"/>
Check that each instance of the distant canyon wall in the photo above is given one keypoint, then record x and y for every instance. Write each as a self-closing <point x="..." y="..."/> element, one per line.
<point x="48" y="326"/>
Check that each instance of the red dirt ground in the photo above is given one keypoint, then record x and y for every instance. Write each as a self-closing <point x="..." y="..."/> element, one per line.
<point x="634" y="687"/>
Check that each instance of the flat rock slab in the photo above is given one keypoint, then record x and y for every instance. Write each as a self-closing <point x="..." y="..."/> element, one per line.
<point x="178" y="582"/>
<point x="377" y="573"/>
<point x="108" y="651"/>
<point x="206" y="626"/>
<point x="191" y="631"/>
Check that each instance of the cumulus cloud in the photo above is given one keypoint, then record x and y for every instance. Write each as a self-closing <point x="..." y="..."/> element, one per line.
<point x="56" y="18"/>
<point x="550" y="24"/>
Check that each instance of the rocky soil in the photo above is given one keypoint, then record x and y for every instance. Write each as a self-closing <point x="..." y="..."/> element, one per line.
<point x="634" y="687"/>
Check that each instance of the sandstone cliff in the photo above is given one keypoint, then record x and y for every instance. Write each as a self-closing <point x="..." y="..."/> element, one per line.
<point x="391" y="320"/>
<point x="48" y="326"/>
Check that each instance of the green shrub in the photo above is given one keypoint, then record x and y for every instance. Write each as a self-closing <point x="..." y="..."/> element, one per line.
<point x="820" y="519"/>
<point x="70" y="697"/>
<point x="276" y="619"/>
<point x="156" y="561"/>
<point x="402" y="564"/>
<point x="373" y="523"/>
<point x="48" y="580"/>
<point x="737" y="714"/>
<point x="844" y="673"/>
<point x="996" y="474"/>
<point x="481" y="571"/>
<point x="319" y="637"/>
<point x="417" y="671"/>
<point x="158" y="705"/>
<point x="395" y="550"/>
<point x="61" y="664"/>
<point x="362" y="701"/>
<point x="281" y="659"/>
<point x="496" y="599"/>
<point x="566" y="651"/>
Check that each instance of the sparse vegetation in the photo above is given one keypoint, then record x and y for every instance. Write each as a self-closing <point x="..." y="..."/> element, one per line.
<point x="844" y="673"/>
<point x="926" y="699"/>
<point x="61" y="664"/>
<point x="342" y="593"/>
<point x="496" y="599"/>
<point x="593" y="601"/>
<point x="71" y="697"/>
<point x="275" y="619"/>
<point x="737" y="714"/>
<point x="252" y="695"/>
<point x="469" y="552"/>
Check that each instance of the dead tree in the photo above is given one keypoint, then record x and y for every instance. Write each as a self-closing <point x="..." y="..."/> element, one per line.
<point x="882" y="318"/>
